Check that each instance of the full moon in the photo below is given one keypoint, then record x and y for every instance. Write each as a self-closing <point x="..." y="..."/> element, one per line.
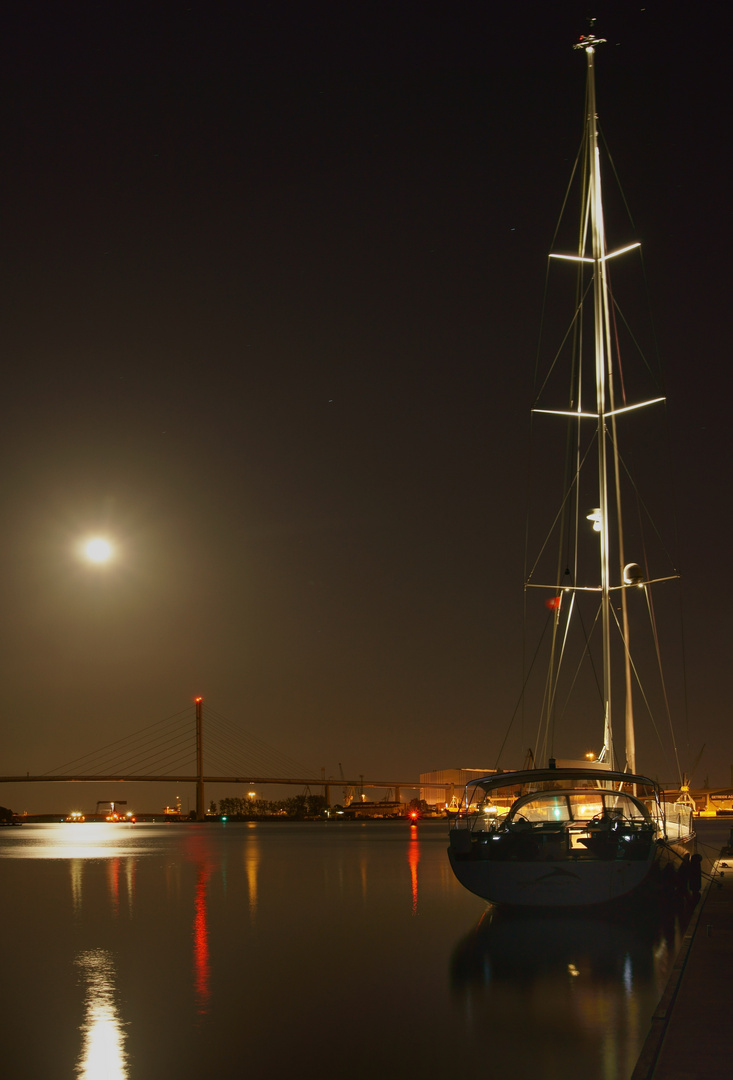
<point x="98" y="550"/>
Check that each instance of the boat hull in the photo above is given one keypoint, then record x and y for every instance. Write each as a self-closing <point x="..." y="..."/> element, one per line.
<point x="576" y="884"/>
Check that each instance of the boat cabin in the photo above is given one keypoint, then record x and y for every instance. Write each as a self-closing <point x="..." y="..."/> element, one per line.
<point x="557" y="816"/>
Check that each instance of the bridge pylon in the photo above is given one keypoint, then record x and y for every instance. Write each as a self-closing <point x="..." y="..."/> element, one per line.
<point x="200" y="796"/>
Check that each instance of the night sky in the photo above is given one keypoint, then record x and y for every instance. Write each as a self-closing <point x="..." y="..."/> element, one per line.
<point x="272" y="283"/>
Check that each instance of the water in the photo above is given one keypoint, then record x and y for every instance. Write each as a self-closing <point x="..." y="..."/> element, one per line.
<point x="223" y="950"/>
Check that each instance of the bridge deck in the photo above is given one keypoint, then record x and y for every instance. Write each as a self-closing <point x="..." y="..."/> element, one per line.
<point x="319" y="781"/>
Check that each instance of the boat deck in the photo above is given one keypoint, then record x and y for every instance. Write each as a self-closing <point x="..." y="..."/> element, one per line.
<point x="693" y="1018"/>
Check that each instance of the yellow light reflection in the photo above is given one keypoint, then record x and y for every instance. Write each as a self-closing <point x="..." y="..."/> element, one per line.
<point x="102" y="1054"/>
<point x="76" y="868"/>
<point x="363" y="876"/>
<point x="97" y="840"/>
<point x="251" y="868"/>
<point x="118" y="870"/>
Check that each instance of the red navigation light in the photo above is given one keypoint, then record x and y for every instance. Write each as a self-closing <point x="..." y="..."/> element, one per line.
<point x="198" y="699"/>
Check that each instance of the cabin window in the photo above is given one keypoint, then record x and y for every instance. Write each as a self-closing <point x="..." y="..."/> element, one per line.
<point x="584" y="807"/>
<point x="549" y="808"/>
<point x="627" y="807"/>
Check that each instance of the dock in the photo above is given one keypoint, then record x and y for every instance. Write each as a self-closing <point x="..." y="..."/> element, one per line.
<point x="690" y="1025"/>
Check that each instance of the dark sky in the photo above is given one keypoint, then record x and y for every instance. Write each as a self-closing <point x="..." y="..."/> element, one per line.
<point x="272" y="283"/>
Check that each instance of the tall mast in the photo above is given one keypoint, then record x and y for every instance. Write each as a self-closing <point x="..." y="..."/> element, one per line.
<point x="592" y="235"/>
<point x="602" y="339"/>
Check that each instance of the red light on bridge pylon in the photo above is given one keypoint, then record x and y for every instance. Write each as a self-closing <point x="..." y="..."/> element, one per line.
<point x="198" y="700"/>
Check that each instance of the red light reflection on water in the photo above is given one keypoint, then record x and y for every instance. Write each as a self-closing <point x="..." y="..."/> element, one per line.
<point x="198" y="851"/>
<point x="202" y="966"/>
<point x="121" y="872"/>
<point x="413" y="858"/>
<point x="113" y="878"/>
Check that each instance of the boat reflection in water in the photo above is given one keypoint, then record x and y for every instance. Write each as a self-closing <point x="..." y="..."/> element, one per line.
<point x="583" y="980"/>
<point x="103" y="1036"/>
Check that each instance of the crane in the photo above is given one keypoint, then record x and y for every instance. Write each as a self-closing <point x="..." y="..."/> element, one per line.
<point x="348" y="792"/>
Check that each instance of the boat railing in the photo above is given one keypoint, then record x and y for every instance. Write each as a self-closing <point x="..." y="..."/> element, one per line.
<point x="677" y="820"/>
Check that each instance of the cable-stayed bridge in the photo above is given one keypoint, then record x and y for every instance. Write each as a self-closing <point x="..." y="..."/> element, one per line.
<point x="172" y="750"/>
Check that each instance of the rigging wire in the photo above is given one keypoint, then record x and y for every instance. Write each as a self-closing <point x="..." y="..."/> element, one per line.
<point x="586" y="654"/>
<point x="658" y="377"/>
<point x="569" y="493"/>
<point x="669" y="445"/>
<point x="520" y="699"/>
<point x="571" y="331"/>
<point x="645" y="698"/>
<point x="616" y="176"/>
<point x="530" y="467"/>
<point x="658" y="654"/>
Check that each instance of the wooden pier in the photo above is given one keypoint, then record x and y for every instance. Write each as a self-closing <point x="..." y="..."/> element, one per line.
<point x="689" y="1032"/>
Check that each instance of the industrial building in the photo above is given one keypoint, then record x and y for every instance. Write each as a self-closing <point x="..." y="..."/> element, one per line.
<point x="443" y="789"/>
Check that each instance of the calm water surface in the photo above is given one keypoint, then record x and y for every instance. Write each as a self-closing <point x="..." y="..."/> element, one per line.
<point x="224" y="950"/>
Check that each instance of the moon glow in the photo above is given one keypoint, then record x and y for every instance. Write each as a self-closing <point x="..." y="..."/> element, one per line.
<point x="98" y="550"/>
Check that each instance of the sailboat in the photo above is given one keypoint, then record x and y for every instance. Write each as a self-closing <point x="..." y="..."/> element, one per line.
<point x="582" y="833"/>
